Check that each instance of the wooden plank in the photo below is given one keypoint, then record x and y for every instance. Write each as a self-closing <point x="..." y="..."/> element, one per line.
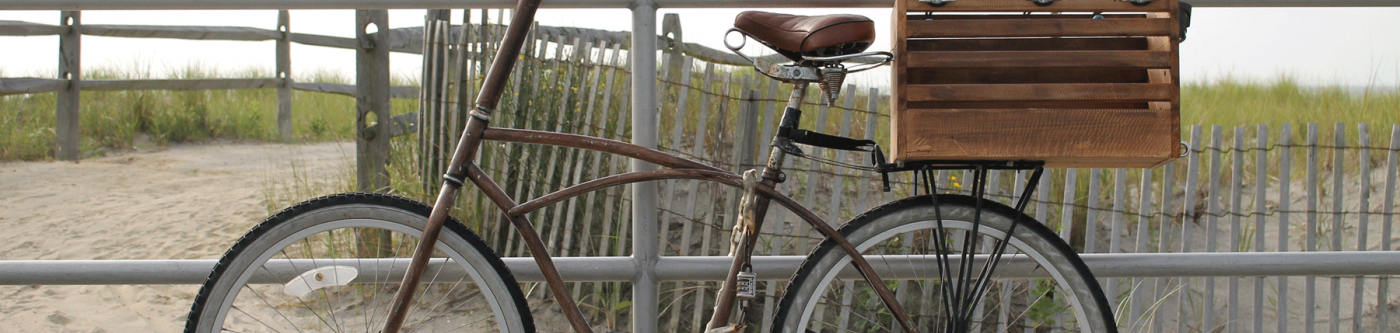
<point x="20" y="28"/>
<point x="1042" y="92"/>
<point x="1392" y="168"/>
<point x="1285" y="199"/>
<point x="1193" y="167"/>
<point x="1024" y="76"/>
<point x="580" y="161"/>
<point x="1167" y="209"/>
<point x="677" y="137"/>
<point x="561" y="124"/>
<point x="615" y="164"/>
<point x="593" y="72"/>
<point x="1116" y="231"/>
<point x="1022" y="105"/>
<point x="67" y="133"/>
<point x="533" y="119"/>
<point x="372" y="91"/>
<point x="1310" y="283"/>
<point x="693" y="191"/>
<point x="1236" y="187"/>
<point x="597" y="161"/>
<point x="1091" y="221"/>
<point x="740" y="156"/>
<point x="1027" y="6"/>
<point x="1213" y="212"/>
<point x="1028" y="44"/>
<point x="1067" y="205"/>
<point x="745" y="141"/>
<point x="1338" y="164"/>
<point x="899" y="97"/>
<point x="1060" y="137"/>
<point x="1039" y="59"/>
<point x="284" y="73"/>
<point x="1142" y="296"/>
<point x="915" y="16"/>
<point x="1050" y="27"/>
<point x="1363" y="159"/>
<point x="544" y="121"/>
<point x="1261" y="188"/>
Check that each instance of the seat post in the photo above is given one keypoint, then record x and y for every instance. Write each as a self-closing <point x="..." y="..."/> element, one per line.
<point x="792" y="114"/>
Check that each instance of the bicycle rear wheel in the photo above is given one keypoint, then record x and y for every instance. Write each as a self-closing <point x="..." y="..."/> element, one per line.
<point x="333" y="264"/>
<point x="1039" y="284"/>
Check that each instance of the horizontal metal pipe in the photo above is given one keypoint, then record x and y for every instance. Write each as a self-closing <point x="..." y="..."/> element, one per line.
<point x="140" y="272"/>
<point x="445" y="4"/>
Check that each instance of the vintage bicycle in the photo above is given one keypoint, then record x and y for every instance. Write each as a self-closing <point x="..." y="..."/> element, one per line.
<point x="928" y="263"/>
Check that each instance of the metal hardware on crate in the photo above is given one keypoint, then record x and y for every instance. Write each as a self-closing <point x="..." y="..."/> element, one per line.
<point x="1140" y="2"/>
<point x="1042" y="2"/>
<point x="936" y="3"/>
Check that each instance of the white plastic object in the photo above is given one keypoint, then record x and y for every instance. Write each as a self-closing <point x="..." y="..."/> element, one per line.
<point x="319" y="278"/>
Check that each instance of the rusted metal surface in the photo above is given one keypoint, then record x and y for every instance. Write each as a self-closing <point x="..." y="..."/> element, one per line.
<point x="592" y="143"/>
<point x="621" y="179"/>
<point x="537" y="248"/>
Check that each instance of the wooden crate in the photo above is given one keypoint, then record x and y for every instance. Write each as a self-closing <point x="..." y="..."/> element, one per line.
<point x="1010" y="80"/>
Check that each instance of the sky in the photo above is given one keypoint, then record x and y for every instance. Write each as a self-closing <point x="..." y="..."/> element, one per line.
<point x="1351" y="47"/>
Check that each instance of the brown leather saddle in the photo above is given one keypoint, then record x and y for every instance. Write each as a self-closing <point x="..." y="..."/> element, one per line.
<point x="795" y="36"/>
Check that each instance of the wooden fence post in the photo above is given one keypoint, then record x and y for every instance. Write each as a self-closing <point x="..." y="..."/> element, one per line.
<point x="372" y="99"/>
<point x="284" y="73"/>
<point x="66" y="105"/>
<point x="671" y="26"/>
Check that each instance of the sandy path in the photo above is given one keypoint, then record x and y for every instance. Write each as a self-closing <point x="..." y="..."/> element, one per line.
<point x="188" y="201"/>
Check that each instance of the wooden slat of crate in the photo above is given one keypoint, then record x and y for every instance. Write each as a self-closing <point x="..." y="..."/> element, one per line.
<point x="1027" y="44"/>
<point x="1061" y="137"/>
<point x="1040" y="59"/>
<point x="1026" y="75"/>
<point x="1071" y="27"/>
<point x="1027" y="6"/>
<point x="1128" y="92"/>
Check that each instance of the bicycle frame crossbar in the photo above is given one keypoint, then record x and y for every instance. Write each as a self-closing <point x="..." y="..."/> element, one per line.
<point x="712" y="268"/>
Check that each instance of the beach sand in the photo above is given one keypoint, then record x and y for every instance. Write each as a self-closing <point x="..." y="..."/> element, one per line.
<point x="177" y="202"/>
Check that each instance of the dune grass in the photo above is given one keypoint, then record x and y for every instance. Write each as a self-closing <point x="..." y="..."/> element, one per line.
<point x="115" y="119"/>
<point x="1230" y="102"/>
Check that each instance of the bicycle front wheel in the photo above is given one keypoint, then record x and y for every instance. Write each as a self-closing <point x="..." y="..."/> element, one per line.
<point x="333" y="264"/>
<point x="1038" y="284"/>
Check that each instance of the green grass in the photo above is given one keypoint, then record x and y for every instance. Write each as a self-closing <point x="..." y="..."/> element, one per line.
<point x="112" y="119"/>
<point x="1232" y="102"/>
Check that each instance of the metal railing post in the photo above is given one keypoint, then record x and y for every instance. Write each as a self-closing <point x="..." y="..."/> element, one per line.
<point x="645" y="293"/>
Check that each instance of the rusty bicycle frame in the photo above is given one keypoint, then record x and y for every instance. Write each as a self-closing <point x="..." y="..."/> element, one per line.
<point x="758" y="195"/>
